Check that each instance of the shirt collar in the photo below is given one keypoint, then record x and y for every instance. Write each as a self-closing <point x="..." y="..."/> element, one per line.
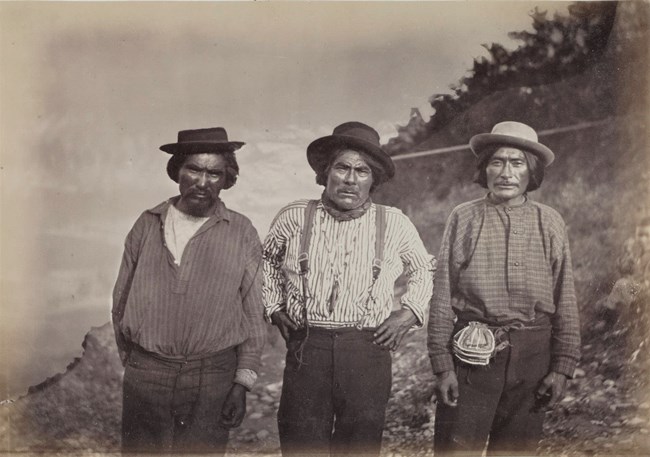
<point x="220" y="211"/>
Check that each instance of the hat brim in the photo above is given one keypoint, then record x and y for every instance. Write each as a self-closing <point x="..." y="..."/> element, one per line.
<point x="319" y="150"/>
<point x="479" y="142"/>
<point x="201" y="147"/>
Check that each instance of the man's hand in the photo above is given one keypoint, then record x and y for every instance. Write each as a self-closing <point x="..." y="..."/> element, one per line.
<point x="447" y="388"/>
<point x="392" y="330"/>
<point x="284" y="323"/>
<point x="234" y="407"/>
<point x="551" y="389"/>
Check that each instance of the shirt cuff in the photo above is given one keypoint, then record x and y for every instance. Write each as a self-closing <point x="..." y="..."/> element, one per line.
<point x="441" y="363"/>
<point x="245" y="377"/>
<point x="419" y="316"/>
<point x="564" y="365"/>
<point x="269" y="310"/>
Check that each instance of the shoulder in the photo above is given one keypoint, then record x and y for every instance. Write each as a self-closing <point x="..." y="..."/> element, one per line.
<point x="467" y="212"/>
<point x="154" y="213"/>
<point x="238" y="218"/>
<point x="294" y="211"/>
<point x="549" y="216"/>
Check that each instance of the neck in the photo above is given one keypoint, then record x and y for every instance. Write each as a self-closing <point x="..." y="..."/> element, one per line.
<point x="194" y="210"/>
<point x="341" y="214"/>
<point x="520" y="200"/>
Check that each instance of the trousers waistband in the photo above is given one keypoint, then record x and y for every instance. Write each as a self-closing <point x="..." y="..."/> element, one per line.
<point x="181" y="358"/>
<point x="541" y="321"/>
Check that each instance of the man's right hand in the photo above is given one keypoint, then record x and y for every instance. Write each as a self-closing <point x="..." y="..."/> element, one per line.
<point x="447" y="388"/>
<point x="284" y="323"/>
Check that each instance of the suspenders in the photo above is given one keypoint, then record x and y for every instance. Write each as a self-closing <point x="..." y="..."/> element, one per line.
<point x="305" y="239"/>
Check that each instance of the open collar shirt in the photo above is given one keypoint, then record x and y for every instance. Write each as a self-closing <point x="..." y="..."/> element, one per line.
<point x="503" y="264"/>
<point x="341" y="253"/>
<point x="210" y="301"/>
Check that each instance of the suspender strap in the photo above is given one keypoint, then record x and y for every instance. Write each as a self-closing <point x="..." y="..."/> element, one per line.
<point x="305" y="237"/>
<point x="380" y="230"/>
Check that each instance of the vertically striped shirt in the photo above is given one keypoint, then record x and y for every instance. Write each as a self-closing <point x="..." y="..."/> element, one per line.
<point x="210" y="302"/>
<point x="341" y="255"/>
<point x="502" y="264"/>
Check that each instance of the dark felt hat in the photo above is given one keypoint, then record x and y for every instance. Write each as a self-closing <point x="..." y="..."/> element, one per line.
<point x="354" y="135"/>
<point x="199" y="141"/>
<point x="515" y="134"/>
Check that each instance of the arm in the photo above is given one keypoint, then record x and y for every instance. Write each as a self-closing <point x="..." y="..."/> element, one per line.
<point x="419" y="267"/>
<point x="565" y="345"/>
<point x="441" y="315"/>
<point x="249" y="352"/>
<point x="273" y="290"/>
<point x="123" y="284"/>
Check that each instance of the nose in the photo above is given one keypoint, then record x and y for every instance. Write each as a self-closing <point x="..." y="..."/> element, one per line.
<point x="202" y="180"/>
<point x="350" y="177"/>
<point x="507" y="170"/>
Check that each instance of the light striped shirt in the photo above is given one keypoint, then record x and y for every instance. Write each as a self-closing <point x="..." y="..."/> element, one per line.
<point x="341" y="255"/>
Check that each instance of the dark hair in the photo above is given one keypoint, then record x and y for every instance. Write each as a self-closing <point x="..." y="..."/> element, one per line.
<point x="232" y="168"/>
<point x="378" y="174"/>
<point x="535" y="168"/>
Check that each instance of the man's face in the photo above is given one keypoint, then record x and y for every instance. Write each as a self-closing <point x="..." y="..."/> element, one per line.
<point x="643" y="237"/>
<point x="200" y="179"/>
<point x="349" y="180"/>
<point x="507" y="175"/>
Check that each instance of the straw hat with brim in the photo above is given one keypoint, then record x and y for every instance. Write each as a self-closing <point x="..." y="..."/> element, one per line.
<point x="513" y="134"/>
<point x="355" y="136"/>
<point x="201" y="141"/>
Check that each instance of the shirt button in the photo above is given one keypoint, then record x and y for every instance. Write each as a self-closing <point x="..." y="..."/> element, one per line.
<point x="516" y="264"/>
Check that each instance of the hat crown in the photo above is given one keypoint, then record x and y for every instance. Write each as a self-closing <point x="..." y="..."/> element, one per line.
<point x="213" y="134"/>
<point x="515" y="129"/>
<point x="358" y="130"/>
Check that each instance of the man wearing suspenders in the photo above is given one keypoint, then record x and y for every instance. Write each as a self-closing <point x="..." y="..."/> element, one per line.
<point x="330" y="266"/>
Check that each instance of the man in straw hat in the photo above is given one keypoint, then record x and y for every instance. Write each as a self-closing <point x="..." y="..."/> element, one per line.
<point x="330" y="266"/>
<point x="505" y="275"/>
<point x="187" y="307"/>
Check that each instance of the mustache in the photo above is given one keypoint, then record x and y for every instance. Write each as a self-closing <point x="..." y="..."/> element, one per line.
<point x="195" y="191"/>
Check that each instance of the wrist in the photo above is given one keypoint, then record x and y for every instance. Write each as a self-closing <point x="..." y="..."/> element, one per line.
<point x="238" y="389"/>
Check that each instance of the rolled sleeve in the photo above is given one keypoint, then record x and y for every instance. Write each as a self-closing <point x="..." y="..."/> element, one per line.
<point x="273" y="289"/>
<point x="420" y="268"/>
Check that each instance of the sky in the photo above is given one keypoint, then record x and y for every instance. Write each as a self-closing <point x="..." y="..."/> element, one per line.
<point x="89" y="91"/>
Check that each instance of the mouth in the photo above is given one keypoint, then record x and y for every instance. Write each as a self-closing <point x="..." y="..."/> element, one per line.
<point x="507" y="185"/>
<point x="347" y="193"/>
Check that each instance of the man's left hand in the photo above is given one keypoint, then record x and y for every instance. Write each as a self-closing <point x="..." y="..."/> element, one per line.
<point x="551" y="389"/>
<point x="390" y="333"/>
<point x="234" y="407"/>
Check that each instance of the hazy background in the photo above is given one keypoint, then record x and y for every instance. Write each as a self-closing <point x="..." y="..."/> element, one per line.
<point x="89" y="91"/>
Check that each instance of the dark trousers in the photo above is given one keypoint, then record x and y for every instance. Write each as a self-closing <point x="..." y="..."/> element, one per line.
<point x="334" y="402"/>
<point x="497" y="401"/>
<point x="172" y="406"/>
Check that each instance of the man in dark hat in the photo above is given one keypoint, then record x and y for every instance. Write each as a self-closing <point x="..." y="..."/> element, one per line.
<point x="330" y="266"/>
<point x="187" y="307"/>
<point x="503" y="324"/>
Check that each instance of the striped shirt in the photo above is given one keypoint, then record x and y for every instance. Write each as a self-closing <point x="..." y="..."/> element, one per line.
<point x="210" y="302"/>
<point x="500" y="265"/>
<point x="341" y="255"/>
